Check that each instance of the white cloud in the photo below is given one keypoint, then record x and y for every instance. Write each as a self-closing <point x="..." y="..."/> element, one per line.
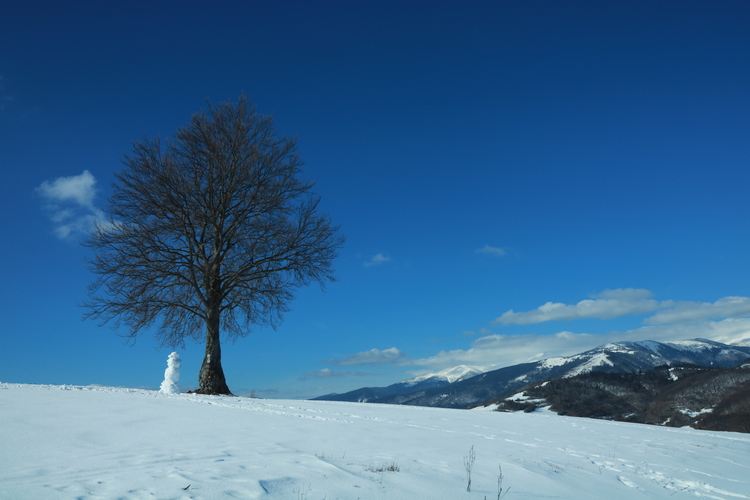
<point x="490" y="250"/>
<point x="80" y="189"/>
<point x="376" y="260"/>
<point x="630" y="301"/>
<point x="496" y="351"/>
<point x="606" y="305"/>
<point x="690" y="312"/>
<point x="70" y="203"/>
<point x="78" y="226"/>
<point x="392" y="356"/>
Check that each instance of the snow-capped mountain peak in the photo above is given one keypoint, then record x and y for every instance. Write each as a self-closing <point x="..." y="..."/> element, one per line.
<point x="450" y="375"/>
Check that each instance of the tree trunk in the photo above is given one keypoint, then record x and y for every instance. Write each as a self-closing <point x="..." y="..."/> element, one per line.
<point x="211" y="378"/>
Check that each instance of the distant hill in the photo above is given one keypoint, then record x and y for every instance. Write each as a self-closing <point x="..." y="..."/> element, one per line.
<point x="417" y="384"/>
<point x="701" y="397"/>
<point x="617" y="357"/>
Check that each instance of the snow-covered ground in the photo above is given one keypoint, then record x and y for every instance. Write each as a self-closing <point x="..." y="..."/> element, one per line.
<point x="97" y="442"/>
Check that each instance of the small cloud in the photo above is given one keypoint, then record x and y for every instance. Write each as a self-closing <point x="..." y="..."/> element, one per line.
<point x="327" y="373"/>
<point x="376" y="260"/>
<point x="376" y="357"/>
<point x="70" y="203"/>
<point x="80" y="189"/>
<point x="490" y="250"/>
<point x="482" y="331"/>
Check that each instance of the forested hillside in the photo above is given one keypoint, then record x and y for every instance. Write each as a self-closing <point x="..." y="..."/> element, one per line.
<point x="695" y="396"/>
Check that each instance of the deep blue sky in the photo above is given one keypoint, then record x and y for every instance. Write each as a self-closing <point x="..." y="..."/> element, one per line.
<point x="481" y="158"/>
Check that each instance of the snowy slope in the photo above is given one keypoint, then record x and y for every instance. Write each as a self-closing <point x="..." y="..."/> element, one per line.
<point x="63" y="442"/>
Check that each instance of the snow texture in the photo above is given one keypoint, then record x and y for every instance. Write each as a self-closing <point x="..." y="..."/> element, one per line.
<point x="650" y="344"/>
<point x="596" y="360"/>
<point x="553" y="362"/>
<point x="170" y="385"/>
<point x="72" y="442"/>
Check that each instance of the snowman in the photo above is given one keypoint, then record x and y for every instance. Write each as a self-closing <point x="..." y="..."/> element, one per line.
<point x="171" y="375"/>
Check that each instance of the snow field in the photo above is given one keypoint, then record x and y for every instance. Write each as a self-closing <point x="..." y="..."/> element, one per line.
<point x="65" y="442"/>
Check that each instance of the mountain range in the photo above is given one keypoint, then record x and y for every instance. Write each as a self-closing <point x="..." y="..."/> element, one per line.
<point x="405" y="387"/>
<point x="467" y="388"/>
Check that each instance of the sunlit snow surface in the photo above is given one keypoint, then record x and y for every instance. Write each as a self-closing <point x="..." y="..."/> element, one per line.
<point x="101" y="443"/>
<point x="553" y="362"/>
<point x="596" y="360"/>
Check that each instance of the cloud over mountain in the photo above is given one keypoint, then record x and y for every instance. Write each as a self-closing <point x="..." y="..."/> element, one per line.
<point x="605" y="305"/>
<point x="690" y="312"/>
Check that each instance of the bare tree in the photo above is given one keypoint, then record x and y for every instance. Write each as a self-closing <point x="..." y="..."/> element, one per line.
<point x="208" y="234"/>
